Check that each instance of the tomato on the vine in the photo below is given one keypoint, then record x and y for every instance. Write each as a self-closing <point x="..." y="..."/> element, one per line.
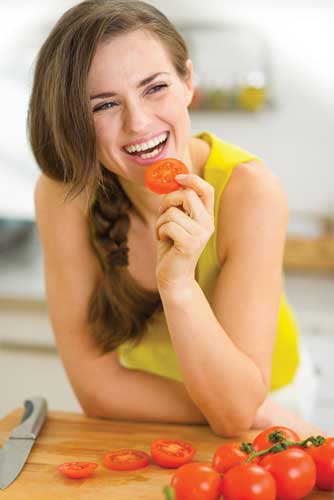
<point x="159" y="176"/>
<point x="323" y="457"/>
<point x="262" y="442"/>
<point x="229" y="455"/>
<point x="294" y="472"/>
<point x="126" y="459"/>
<point x="196" y="481"/>
<point x="172" y="453"/>
<point x="248" y="481"/>
<point x="77" y="470"/>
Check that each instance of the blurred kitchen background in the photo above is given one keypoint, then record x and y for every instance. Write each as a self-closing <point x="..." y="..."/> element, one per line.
<point x="265" y="81"/>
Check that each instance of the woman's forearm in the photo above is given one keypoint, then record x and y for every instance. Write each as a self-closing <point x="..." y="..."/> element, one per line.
<point x="224" y="383"/>
<point x="137" y="395"/>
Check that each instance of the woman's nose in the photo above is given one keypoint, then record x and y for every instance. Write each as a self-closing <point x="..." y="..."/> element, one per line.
<point x="136" y="118"/>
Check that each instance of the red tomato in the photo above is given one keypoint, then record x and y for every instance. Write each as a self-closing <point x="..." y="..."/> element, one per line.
<point x="323" y="457"/>
<point x="229" y="455"/>
<point x="294" y="472"/>
<point x="77" y="470"/>
<point x="126" y="459"/>
<point x="248" y="481"/>
<point x="171" y="453"/>
<point x="160" y="175"/>
<point x="261" y="442"/>
<point x="196" y="481"/>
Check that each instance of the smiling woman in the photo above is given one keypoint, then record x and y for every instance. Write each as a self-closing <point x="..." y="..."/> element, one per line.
<point x="158" y="315"/>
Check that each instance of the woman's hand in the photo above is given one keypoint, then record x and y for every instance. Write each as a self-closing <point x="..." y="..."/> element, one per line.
<point x="182" y="230"/>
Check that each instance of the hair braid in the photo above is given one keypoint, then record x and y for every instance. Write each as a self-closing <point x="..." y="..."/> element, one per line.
<point x="118" y="310"/>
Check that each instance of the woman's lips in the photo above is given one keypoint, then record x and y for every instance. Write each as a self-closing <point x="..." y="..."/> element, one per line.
<point x="147" y="161"/>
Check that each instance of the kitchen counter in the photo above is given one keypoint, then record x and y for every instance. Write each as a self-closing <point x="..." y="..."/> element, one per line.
<point x="72" y="437"/>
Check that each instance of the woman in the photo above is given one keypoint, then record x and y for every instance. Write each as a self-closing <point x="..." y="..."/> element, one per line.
<point x="164" y="308"/>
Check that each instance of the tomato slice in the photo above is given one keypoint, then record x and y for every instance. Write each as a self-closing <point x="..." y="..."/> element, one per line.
<point x="172" y="453"/>
<point x="126" y="459"/>
<point x="77" y="470"/>
<point x="160" y="175"/>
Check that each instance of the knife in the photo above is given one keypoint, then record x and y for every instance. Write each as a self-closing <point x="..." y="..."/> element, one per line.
<point x="17" y="447"/>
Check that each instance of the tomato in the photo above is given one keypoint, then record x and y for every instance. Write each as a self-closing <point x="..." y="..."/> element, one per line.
<point x="323" y="457"/>
<point x="262" y="442"/>
<point x="126" y="459"/>
<point x="77" y="470"/>
<point x="248" y="481"/>
<point x="229" y="455"/>
<point x="294" y="472"/>
<point x="196" y="481"/>
<point x="171" y="453"/>
<point x="160" y="175"/>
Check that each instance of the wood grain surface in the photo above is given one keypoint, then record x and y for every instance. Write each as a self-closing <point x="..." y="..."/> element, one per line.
<point x="72" y="437"/>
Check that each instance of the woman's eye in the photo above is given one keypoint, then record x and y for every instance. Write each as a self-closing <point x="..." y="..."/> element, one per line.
<point x="106" y="105"/>
<point x="157" y="88"/>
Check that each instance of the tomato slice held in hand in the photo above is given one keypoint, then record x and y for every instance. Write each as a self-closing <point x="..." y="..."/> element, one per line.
<point x="126" y="459"/>
<point x="323" y="457"/>
<point x="77" y="470"/>
<point x="294" y="472"/>
<point x="171" y="453"/>
<point x="160" y="175"/>
<point x="248" y="481"/>
<point x="196" y="481"/>
<point x="262" y="442"/>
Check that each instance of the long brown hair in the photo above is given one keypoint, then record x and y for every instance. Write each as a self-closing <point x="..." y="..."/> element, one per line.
<point x="62" y="138"/>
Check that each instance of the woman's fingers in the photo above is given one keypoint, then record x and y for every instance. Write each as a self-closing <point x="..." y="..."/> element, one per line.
<point x="174" y="214"/>
<point x="204" y="190"/>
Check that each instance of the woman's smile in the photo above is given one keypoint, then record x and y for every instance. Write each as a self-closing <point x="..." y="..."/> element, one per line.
<point x="144" y="152"/>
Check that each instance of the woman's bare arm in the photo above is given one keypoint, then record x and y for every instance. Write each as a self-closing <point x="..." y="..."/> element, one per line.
<point x="102" y="386"/>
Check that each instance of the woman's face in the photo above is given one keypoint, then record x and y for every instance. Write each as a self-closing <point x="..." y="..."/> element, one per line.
<point x="139" y="104"/>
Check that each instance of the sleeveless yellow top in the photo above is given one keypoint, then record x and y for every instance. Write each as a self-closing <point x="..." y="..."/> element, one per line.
<point x="155" y="353"/>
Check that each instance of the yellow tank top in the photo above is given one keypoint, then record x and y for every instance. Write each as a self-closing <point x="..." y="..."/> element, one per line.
<point x="155" y="353"/>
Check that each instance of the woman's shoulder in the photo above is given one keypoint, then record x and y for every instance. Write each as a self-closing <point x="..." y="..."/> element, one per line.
<point x="253" y="198"/>
<point x="51" y="195"/>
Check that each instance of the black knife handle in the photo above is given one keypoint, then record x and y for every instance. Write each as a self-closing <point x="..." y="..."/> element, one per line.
<point x="32" y="420"/>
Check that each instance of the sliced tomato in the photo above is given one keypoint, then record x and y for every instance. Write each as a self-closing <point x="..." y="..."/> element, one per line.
<point x="126" y="459"/>
<point x="172" y="453"/>
<point x="77" y="470"/>
<point x="160" y="175"/>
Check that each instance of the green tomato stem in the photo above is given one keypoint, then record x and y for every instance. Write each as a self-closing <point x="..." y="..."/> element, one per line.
<point x="281" y="443"/>
<point x="169" y="493"/>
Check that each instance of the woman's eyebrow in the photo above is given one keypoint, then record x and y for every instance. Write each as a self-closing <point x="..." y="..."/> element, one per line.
<point x="147" y="80"/>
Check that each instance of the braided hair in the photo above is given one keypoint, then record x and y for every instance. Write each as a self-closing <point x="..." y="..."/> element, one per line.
<point x="62" y="137"/>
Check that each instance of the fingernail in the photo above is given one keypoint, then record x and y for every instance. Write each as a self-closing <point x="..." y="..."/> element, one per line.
<point x="180" y="177"/>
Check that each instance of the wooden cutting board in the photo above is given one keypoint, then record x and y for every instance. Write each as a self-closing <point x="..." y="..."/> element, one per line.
<point x="72" y="437"/>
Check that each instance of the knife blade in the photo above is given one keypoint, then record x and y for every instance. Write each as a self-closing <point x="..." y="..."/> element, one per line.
<point x="17" y="447"/>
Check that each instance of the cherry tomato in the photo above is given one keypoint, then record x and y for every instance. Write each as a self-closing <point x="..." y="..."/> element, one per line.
<point x="261" y="442"/>
<point x="248" y="481"/>
<point x="229" y="455"/>
<point x="77" y="470"/>
<point x="294" y="472"/>
<point x="126" y="459"/>
<point x="196" y="481"/>
<point x="160" y="175"/>
<point x="171" y="453"/>
<point x="323" y="457"/>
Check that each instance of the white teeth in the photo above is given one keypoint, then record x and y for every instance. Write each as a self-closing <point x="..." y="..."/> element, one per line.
<point x="155" y="152"/>
<point x="147" y="145"/>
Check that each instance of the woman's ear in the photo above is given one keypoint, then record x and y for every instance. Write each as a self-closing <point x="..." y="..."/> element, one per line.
<point x="189" y="81"/>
